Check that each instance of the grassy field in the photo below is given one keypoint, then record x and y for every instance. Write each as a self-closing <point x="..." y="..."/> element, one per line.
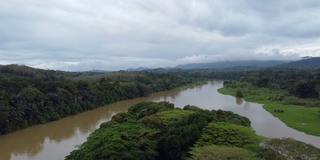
<point x="301" y="118"/>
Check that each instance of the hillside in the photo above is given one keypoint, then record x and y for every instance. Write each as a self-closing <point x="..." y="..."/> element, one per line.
<point x="305" y="63"/>
<point x="230" y="64"/>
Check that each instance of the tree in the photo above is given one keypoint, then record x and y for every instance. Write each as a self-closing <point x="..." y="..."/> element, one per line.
<point x="32" y="94"/>
<point x="182" y="133"/>
<point x="265" y="153"/>
<point x="228" y="134"/>
<point x="118" y="141"/>
<point x="317" y="89"/>
<point x="305" y="89"/>
<point x="213" y="152"/>
<point x="148" y="108"/>
<point x="4" y="112"/>
<point x="4" y="117"/>
<point x="239" y="93"/>
<point x="293" y="149"/>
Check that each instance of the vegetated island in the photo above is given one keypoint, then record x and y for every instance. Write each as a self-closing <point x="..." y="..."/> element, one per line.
<point x="302" y="114"/>
<point x="151" y="130"/>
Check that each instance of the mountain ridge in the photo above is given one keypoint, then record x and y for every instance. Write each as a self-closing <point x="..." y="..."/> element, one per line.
<point x="313" y="62"/>
<point x="230" y="64"/>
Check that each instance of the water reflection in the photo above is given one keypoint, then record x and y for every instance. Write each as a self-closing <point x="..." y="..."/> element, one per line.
<point x="239" y="100"/>
<point x="168" y="95"/>
<point x="56" y="139"/>
<point x="246" y="105"/>
<point x="31" y="141"/>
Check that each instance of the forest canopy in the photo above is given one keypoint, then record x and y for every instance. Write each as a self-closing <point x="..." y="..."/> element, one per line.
<point x="33" y="96"/>
<point x="151" y="130"/>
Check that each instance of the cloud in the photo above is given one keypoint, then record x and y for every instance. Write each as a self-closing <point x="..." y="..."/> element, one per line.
<point x="110" y="63"/>
<point x="112" y="35"/>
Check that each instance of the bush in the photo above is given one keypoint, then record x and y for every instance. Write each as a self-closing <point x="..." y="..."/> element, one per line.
<point x="265" y="153"/>
<point x="293" y="149"/>
<point x="119" y="141"/>
<point x="239" y="93"/>
<point x="213" y="152"/>
<point x="228" y="134"/>
<point x="148" y="108"/>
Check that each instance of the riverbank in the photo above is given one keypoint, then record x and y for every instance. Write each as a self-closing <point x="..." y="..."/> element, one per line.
<point x="193" y="84"/>
<point x="36" y="142"/>
<point x="43" y="98"/>
<point x="301" y="118"/>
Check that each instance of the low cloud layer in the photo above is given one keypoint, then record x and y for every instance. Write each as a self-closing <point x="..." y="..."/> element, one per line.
<point x="78" y="35"/>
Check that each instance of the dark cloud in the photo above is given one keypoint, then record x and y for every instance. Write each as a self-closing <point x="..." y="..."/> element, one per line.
<point x="105" y="34"/>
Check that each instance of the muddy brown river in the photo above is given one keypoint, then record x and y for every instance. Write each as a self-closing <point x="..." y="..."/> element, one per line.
<point x="55" y="140"/>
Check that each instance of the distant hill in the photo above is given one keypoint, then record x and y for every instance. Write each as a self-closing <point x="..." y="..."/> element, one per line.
<point x="137" y="69"/>
<point x="98" y="71"/>
<point x="304" y="63"/>
<point x="25" y="71"/>
<point x="230" y="64"/>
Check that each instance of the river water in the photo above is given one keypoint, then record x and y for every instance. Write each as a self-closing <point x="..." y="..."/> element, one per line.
<point x="55" y="140"/>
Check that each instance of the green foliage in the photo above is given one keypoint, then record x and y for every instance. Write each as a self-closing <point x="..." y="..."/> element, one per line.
<point x="265" y="153"/>
<point x="38" y="96"/>
<point x="303" y="118"/>
<point x="148" y="108"/>
<point x="239" y="93"/>
<point x="122" y="117"/>
<point x="191" y="108"/>
<point x="228" y="116"/>
<point x="298" y="82"/>
<point x="125" y="141"/>
<point x="173" y="116"/>
<point x="227" y="134"/>
<point x="33" y="96"/>
<point x="293" y="149"/>
<point x="172" y="134"/>
<point x="163" y="119"/>
<point x="306" y="89"/>
<point x="213" y="152"/>
<point x="4" y="115"/>
<point x="182" y="134"/>
<point x="179" y="135"/>
<point x="152" y="121"/>
<point x="118" y="119"/>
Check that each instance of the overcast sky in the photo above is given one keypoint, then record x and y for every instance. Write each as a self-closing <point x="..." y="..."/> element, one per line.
<point x="79" y="35"/>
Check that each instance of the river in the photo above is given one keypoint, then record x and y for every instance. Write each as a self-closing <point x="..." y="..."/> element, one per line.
<point x="55" y="140"/>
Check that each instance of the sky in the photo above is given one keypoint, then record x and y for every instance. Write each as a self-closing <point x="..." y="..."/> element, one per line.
<point x="81" y="35"/>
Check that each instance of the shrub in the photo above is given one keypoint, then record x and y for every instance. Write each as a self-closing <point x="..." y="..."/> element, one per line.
<point x="228" y="134"/>
<point x="119" y="141"/>
<point x="213" y="152"/>
<point x="292" y="149"/>
<point x="239" y="93"/>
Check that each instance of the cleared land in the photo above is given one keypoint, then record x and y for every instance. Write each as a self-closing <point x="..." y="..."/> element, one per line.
<point x="301" y="118"/>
